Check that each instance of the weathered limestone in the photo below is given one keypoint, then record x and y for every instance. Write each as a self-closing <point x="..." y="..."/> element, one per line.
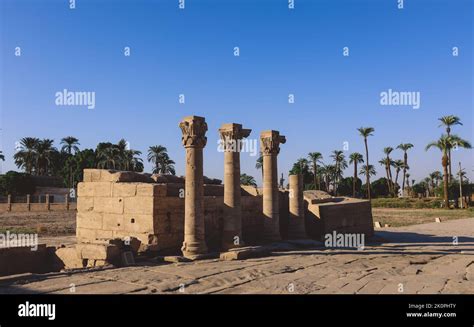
<point x="270" y="147"/>
<point x="231" y="134"/>
<point x="194" y="140"/>
<point x="296" y="224"/>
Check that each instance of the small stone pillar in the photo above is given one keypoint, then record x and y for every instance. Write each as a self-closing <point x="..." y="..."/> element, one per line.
<point x="9" y="202"/>
<point x="194" y="140"/>
<point x="270" y="147"/>
<point x="296" y="224"/>
<point x="28" y="202"/>
<point x="231" y="136"/>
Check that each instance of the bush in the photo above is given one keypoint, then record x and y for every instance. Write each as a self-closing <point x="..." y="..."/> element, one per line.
<point x="413" y="203"/>
<point x="15" y="183"/>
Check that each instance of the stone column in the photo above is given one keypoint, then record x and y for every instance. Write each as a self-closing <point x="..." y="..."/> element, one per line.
<point x="231" y="136"/>
<point x="194" y="140"/>
<point x="296" y="224"/>
<point x="270" y="147"/>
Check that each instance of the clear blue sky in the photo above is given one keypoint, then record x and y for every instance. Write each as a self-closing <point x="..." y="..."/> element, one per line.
<point x="282" y="51"/>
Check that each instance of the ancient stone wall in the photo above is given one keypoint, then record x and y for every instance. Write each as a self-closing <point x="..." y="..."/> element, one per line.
<point x="343" y="215"/>
<point x="108" y="208"/>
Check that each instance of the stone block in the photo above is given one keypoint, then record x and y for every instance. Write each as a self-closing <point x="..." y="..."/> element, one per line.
<point x="138" y="223"/>
<point x="109" y="205"/>
<point x="115" y="176"/>
<point x="124" y="189"/>
<point x="91" y="220"/>
<point x="244" y="253"/>
<point x="106" y="252"/>
<point x="85" y="204"/>
<point x="138" y="205"/>
<point x="69" y="258"/>
<point x="85" y="234"/>
<point x="104" y="234"/>
<point x="112" y="221"/>
<point x="145" y="190"/>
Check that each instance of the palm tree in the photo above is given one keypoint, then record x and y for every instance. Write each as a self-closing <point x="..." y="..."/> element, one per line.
<point x="387" y="150"/>
<point x="162" y="162"/>
<point x="25" y="156"/>
<point x="131" y="161"/>
<point x="330" y="172"/>
<point x="69" y="144"/>
<point x="398" y="165"/>
<point x="247" y="180"/>
<point x="428" y="182"/>
<point x="449" y="121"/>
<point x="301" y="164"/>
<point x="435" y="177"/>
<point x="408" y="182"/>
<point x="365" y="132"/>
<point x="387" y="163"/>
<point x="405" y="147"/>
<point x="340" y="163"/>
<point x="444" y="143"/>
<point x="355" y="158"/>
<point x="44" y="155"/>
<point x="315" y="158"/>
<point x="367" y="169"/>
<point x="107" y="156"/>
<point x="2" y="156"/>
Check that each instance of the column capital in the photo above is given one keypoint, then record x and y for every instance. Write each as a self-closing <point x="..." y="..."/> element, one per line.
<point x="270" y="142"/>
<point x="230" y="133"/>
<point x="194" y="130"/>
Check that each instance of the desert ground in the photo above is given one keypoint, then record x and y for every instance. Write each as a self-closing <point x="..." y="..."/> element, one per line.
<point x="419" y="258"/>
<point x="60" y="223"/>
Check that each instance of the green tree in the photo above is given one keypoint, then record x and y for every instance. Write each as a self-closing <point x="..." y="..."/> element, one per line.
<point x="340" y="164"/>
<point x="365" y="132"/>
<point x="25" y="155"/>
<point x="444" y="144"/>
<point x="355" y="159"/>
<point x="247" y="180"/>
<point x="316" y="158"/>
<point x="162" y="164"/>
<point x="448" y="121"/>
<point x="404" y="147"/>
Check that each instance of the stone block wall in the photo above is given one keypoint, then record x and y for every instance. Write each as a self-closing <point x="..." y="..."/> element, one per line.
<point x="112" y="206"/>
<point x="343" y="215"/>
<point x="123" y="204"/>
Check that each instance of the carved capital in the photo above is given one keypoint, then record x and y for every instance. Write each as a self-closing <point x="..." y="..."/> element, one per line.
<point x="270" y="142"/>
<point x="230" y="134"/>
<point x="194" y="130"/>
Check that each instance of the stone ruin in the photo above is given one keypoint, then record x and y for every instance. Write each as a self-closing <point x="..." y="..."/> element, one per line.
<point x="194" y="215"/>
<point x="121" y="214"/>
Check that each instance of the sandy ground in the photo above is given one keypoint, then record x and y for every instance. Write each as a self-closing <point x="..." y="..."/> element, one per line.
<point x="50" y="224"/>
<point x="405" y="217"/>
<point x="427" y="258"/>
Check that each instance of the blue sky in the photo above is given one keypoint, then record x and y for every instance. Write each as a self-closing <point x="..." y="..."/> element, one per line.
<point x="282" y="51"/>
